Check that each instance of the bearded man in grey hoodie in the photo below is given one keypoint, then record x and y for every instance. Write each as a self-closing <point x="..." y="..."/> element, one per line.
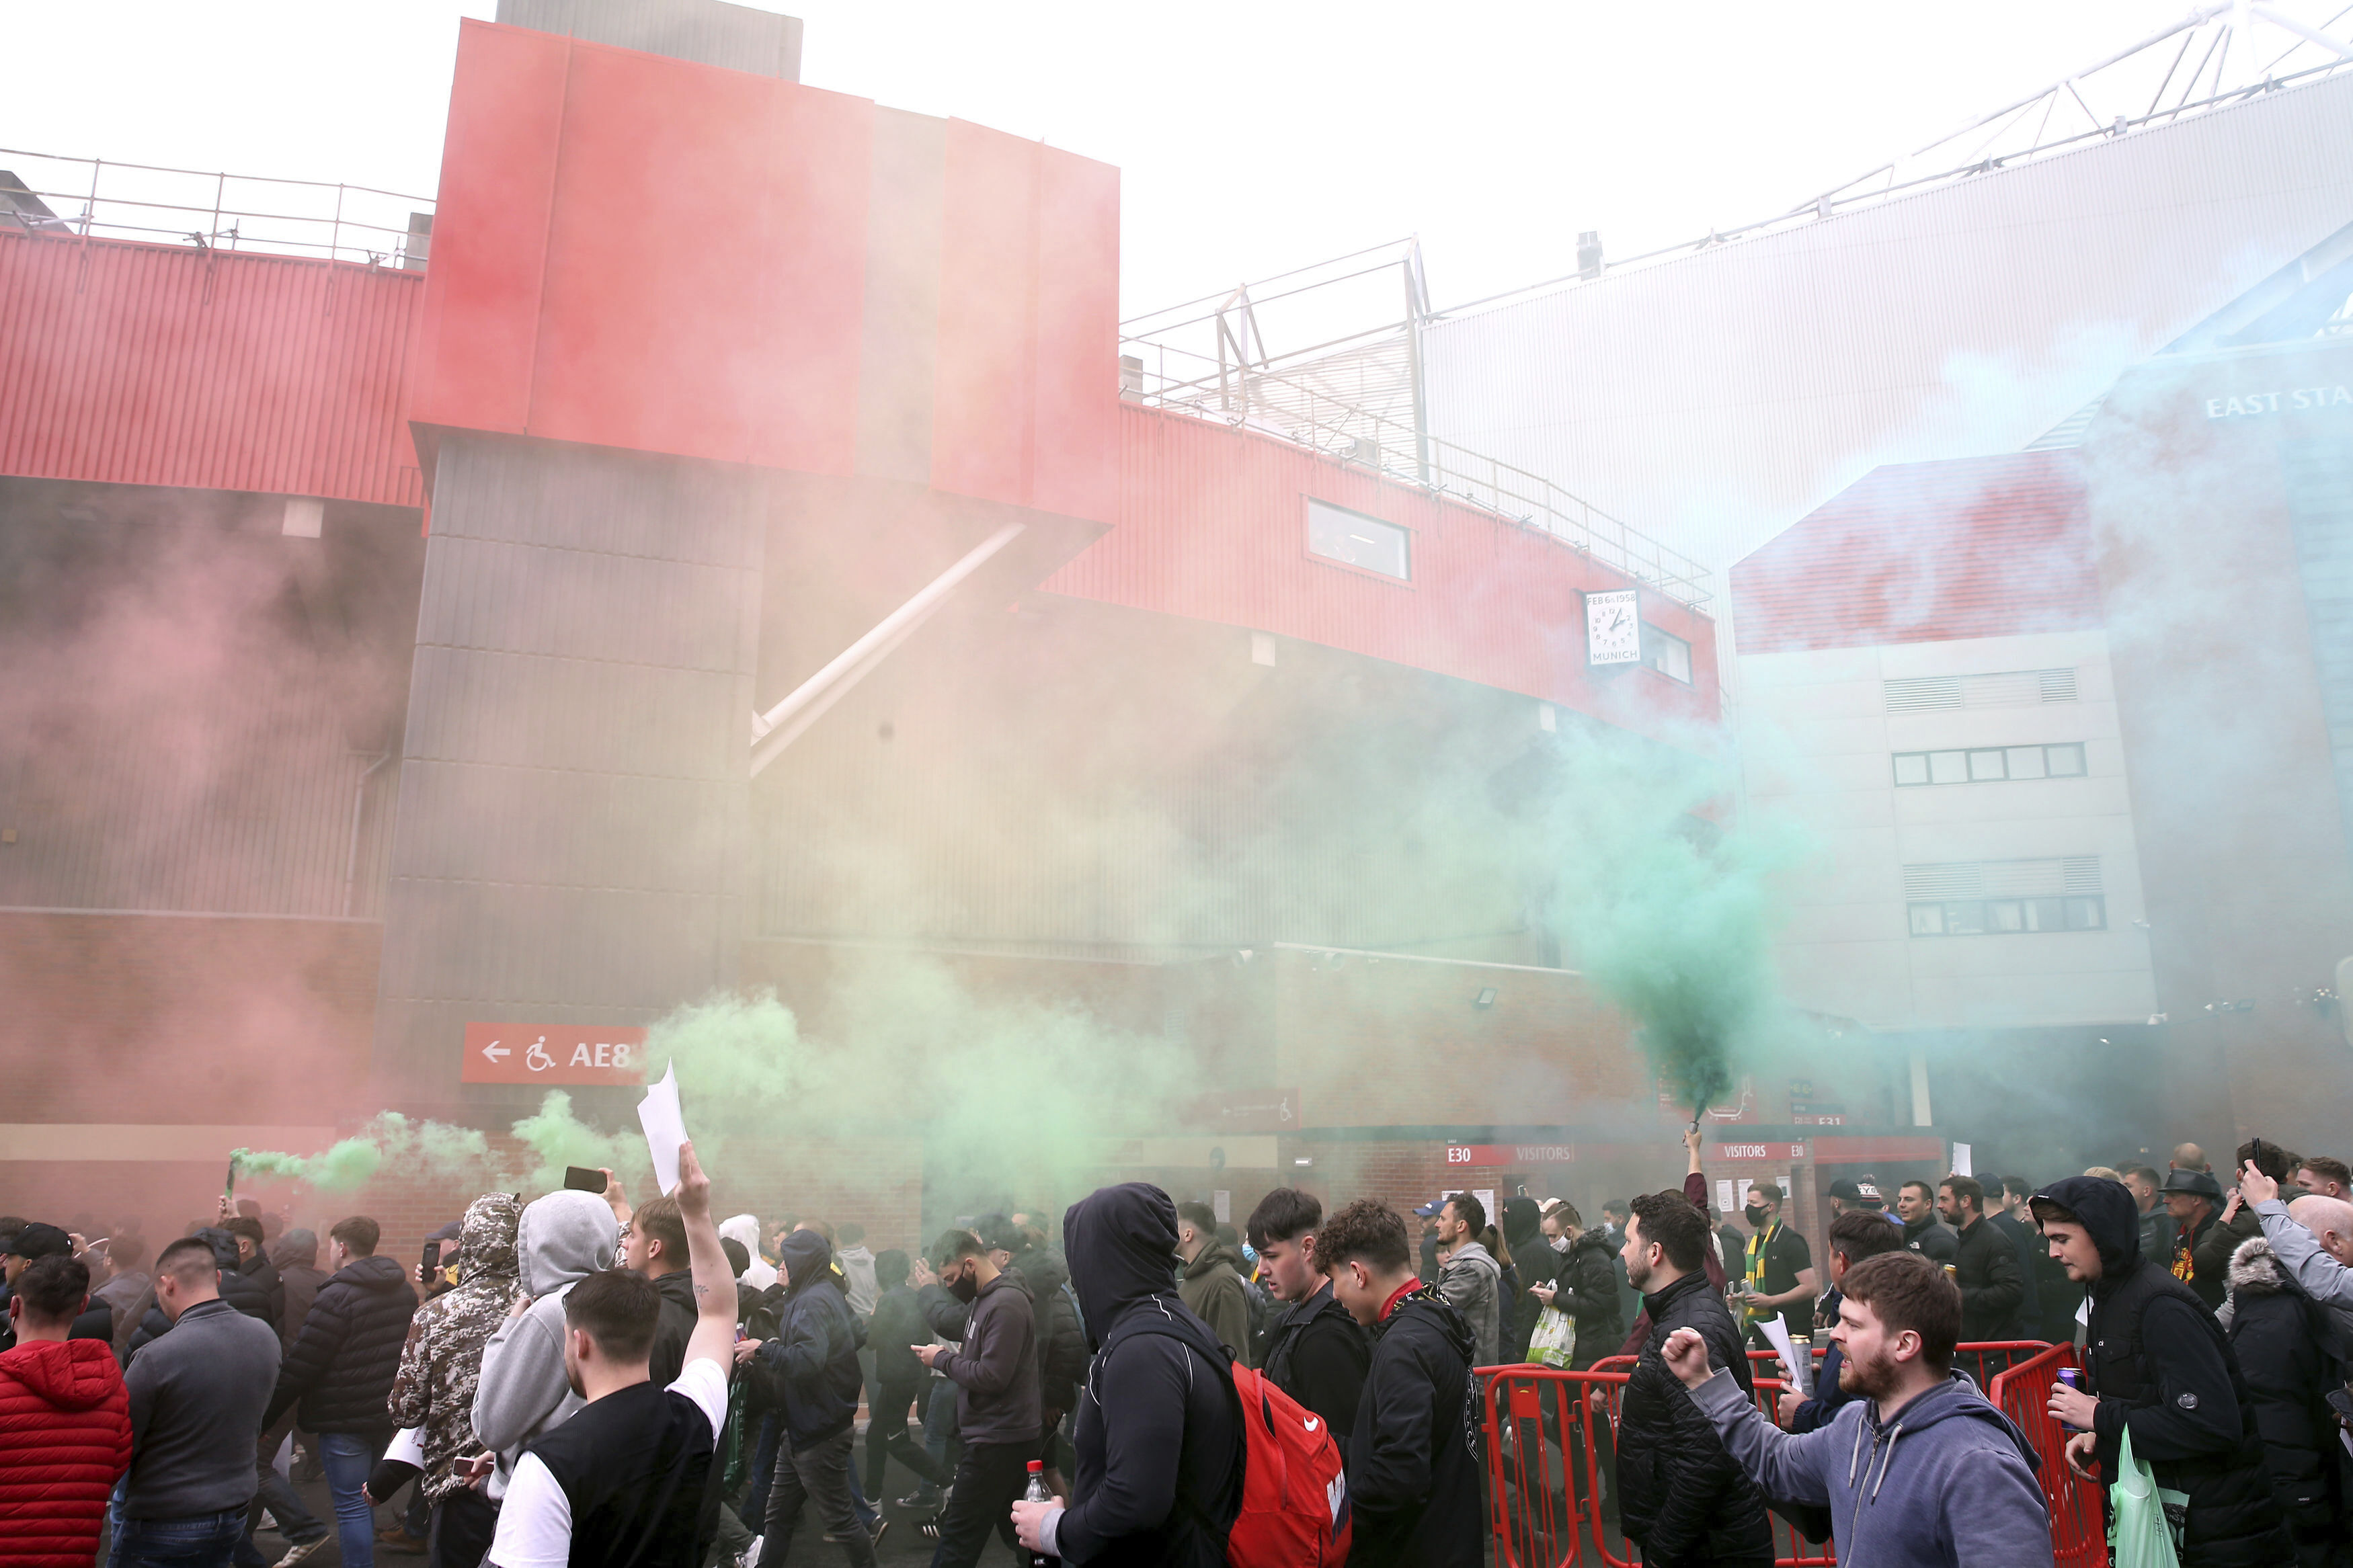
<point x="1918" y="1469"/>
<point x="562" y="1239"/>
<point x="1469" y="1276"/>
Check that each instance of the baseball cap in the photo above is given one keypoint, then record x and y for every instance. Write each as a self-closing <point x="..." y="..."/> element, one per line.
<point x="38" y="1240"/>
<point x="1430" y="1210"/>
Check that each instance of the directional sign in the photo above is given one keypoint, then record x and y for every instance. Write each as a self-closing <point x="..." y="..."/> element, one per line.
<point x="553" y="1053"/>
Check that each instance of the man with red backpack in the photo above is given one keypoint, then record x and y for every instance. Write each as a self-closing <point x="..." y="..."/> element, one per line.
<point x="1159" y="1439"/>
<point x="1413" y="1458"/>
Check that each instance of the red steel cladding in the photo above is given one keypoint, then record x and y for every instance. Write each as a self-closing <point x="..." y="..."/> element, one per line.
<point x="1968" y="547"/>
<point x="153" y="365"/>
<point x="1213" y="524"/>
<point x="635" y="251"/>
<point x="1026" y="409"/>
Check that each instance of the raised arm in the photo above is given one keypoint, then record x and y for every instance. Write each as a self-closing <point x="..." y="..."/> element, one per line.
<point x="714" y="1283"/>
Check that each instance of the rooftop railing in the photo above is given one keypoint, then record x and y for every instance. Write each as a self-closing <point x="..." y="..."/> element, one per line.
<point x="42" y="193"/>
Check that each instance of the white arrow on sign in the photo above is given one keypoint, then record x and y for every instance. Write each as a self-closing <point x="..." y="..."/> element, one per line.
<point x="494" y="1051"/>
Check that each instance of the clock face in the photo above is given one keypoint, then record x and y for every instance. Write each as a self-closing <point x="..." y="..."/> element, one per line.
<point x="1613" y="628"/>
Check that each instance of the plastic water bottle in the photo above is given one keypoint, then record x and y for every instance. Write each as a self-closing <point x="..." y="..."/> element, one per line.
<point x="1038" y="1493"/>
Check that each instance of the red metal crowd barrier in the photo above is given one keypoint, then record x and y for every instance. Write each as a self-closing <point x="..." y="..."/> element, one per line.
<point x="1551" y="1458"/>
<point x="2079" y="1530"/>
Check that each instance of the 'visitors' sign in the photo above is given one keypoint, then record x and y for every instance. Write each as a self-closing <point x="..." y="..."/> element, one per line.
<point x="554" y="1053"/>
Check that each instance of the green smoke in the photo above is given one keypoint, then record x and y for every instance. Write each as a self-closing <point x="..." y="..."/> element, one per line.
<point x="1670" y="915"/>
<point x="437" y="1152"/>
<point x="1007" y="1094"/>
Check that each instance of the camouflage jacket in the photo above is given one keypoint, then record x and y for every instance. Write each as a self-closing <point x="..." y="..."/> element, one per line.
<point x="442" y="1361"/>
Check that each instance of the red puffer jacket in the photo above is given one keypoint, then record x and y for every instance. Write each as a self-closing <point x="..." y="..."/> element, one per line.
<point x="65" y="1435"/>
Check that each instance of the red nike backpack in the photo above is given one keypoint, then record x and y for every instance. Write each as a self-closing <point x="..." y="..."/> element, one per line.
<point x="1295" y="1494"/>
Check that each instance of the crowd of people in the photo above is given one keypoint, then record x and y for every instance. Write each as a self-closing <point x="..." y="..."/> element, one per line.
<point x="574" y="1381"/>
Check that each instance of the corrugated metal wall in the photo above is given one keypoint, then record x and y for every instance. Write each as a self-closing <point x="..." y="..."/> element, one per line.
<point x="107" y="817"/>
<point x="572" y="799"/>
<point x="151" y="364"/>
<point x="709" y="31"/>
<point x="1713" y="401"/>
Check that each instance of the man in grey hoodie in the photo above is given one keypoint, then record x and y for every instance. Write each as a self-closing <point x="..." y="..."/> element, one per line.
<point x="1469" y="1277"/>
<point x="562" y="1239"/>
<point x="2312" y="1236"/>
<point x="1966" y="1491"/>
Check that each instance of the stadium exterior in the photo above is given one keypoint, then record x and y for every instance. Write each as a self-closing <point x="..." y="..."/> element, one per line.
<point x="737" y="558"/>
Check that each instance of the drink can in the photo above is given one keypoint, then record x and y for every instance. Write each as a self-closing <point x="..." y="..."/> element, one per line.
<point x="2074" y="1378"/>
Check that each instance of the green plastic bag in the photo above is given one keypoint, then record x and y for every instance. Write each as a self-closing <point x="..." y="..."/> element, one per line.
<point x="1554" y="1343"/>
<point x="2141" y="1524"/>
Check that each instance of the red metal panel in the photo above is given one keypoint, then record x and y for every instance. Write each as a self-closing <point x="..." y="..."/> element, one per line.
<point x="1972" y="547"/>
<point x="158" y="365"/>
<point x="1212" y="524"/>
<point x="984" y="415"/>
<point x="489" y="241"/>
<point x="1076" y="427"/>
<point x="705" y="265"/>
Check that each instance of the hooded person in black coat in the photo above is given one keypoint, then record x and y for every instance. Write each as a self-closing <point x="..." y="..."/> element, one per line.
<point x="1538" y="1264"/>
<point x="1413" y="1460"/>
<point x="2287" y="1348"/>
<point x="1159" y="1434"/>
<point x="2157" y="1363"/>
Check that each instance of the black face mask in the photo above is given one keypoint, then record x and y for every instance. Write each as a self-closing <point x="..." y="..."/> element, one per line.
<point x="1756" y="1216"/>
<point x="965" y="1288"/>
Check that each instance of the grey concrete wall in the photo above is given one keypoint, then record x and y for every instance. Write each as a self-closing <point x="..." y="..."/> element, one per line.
<point x="710" y="32"/>
<point x="570" y="844"/>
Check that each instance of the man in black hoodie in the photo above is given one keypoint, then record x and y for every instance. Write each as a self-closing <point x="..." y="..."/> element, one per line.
<point x="1413" y="1455"/>
<point x="1683" y="1497"/>
<point x="2158" y="1366"/>
<point x="1159" y="1433"/>
<point x="996" y="1374"/>
<point x="1317" y="1352"/>
<point x="810" y="1371"/>
<point x="342" y="1368"/>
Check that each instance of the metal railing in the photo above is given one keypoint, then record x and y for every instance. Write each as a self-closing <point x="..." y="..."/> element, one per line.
<point x="42" y="193"/>
<point x="1550" y="1459"/>
<point x="1297" y="410"/>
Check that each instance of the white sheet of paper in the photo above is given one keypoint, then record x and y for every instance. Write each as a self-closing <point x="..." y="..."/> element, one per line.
<point x="1961" y="1161"/>
<point x="1486" y="1197"/>
<point x="1776" y="1333"/>
<point x="665" y="1127"/>
<point x="1723" y="1203"/>
<point x="1221" y="1204"/>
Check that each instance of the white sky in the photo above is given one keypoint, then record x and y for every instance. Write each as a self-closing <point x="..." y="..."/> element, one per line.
<point x="1252" y="138"/>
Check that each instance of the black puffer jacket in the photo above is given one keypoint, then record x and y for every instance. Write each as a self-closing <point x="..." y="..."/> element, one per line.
<point x="1682" y="1497"/>
<point x="1587" y="1279"/>
<point x="2160" y="1367"/>
<point x="2286" y="1346"/>
<point x="343" y="1360"/>
<point x="1413" y="1455"/>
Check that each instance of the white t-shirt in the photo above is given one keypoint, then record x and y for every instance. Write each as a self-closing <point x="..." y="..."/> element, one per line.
<point x="535" y="1520"/>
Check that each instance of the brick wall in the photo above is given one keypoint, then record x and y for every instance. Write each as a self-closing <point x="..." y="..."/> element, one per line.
<point x="184" y="1019"/>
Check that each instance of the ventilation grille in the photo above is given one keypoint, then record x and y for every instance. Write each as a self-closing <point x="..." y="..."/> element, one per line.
<point x="2013" y="688"/>
<point x="2076" y="874"/>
